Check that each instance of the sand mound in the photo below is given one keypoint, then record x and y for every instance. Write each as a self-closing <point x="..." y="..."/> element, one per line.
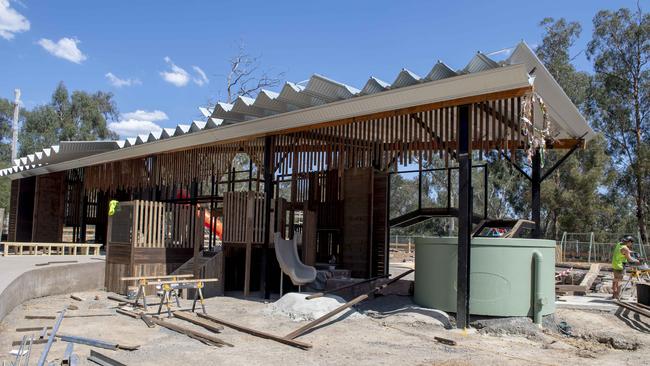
<point x="294" y="306"/>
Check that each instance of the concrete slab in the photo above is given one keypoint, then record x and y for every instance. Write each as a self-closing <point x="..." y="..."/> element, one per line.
<point x="600" y="302"/>
<point x="21" y="279"/>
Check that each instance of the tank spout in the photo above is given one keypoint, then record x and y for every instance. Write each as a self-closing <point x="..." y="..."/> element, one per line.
<point x="538" y="300"/>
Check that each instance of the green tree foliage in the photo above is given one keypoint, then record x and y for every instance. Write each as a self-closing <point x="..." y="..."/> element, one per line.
<point x="6" y="119"/>
<point x="620" y="104"/>
<point x="571" y="200"/>
<point x="78" y="117"/>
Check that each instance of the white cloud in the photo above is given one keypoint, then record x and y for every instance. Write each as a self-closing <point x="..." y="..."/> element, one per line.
<point x="201" y="78"/>
<point x="177" y="75"/>
<point x="65" y="48"/>
<point x="143" y="115"/>
<point x="11" y="21"/>
<point x="133" y="127"/>
<point x="139" y="122"/>
<point x="118" y="83"/>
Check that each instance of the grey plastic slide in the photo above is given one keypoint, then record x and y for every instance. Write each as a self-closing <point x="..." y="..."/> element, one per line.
<point x="287" y="253"/>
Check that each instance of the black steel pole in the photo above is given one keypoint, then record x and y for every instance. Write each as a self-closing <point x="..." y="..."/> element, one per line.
<point x="536" y="190"/>
<point x="268" y="194"/>
<point x="485" y="192"/>
<point x="465" y="212"/>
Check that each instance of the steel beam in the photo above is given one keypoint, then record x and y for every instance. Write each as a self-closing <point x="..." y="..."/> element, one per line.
<point x="465" y="213"/>
<point x="268" y="195"/>
<point x="536" y="190"/>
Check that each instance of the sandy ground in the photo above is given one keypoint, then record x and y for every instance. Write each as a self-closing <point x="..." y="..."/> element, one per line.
<point x="392" y="332"/>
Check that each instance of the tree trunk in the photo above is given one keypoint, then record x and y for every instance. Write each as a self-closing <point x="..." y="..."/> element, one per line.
<point x="640" y="195"/>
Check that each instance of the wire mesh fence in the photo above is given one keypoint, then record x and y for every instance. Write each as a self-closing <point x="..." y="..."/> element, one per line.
<point x="594" y="247"/>
<point x="589" y="247"/>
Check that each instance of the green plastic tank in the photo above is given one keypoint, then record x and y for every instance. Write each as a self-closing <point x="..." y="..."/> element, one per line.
<point x="502" y="276"/>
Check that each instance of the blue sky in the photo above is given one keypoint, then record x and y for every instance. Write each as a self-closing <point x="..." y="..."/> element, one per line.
<point x="80" y="42"/>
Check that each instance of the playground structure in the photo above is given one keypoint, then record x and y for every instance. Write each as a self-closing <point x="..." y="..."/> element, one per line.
<point x="323" y="152"/>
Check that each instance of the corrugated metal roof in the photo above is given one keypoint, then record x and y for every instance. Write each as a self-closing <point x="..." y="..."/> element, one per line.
<point x="319" y="91"/>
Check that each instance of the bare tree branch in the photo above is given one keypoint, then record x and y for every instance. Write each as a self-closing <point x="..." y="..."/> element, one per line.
<point x="245" y="78"/>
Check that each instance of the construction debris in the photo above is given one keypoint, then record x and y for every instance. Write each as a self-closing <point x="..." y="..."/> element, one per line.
<point x="203" y="337"/>
<point x="103" y="360"/>
<point x="31" y="329"/>
<point x="36" y="341"/>
<point x="67" y="316"/>
<point x="53" y="262"/>
<point x="187" y="316"/>
<point x="321" y="294"/>
<point x="50" y="340"/>
<point x="633" y="307"/>
<point x="69" y="358"/>
<point x="256" y="333"/>
<point x="449" y="342"/>
<point x="96" y="342"/>
<point x="78" y="298"/>
<point x="305" y="328"/>
<point x="590" y="277"/>
<point x="147" y="320"/>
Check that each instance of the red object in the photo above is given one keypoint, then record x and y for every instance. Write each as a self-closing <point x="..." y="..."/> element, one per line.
<point x="218" y="226"/>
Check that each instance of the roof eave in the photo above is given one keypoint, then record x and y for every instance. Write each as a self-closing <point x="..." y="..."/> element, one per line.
<point x="463" y="86"/>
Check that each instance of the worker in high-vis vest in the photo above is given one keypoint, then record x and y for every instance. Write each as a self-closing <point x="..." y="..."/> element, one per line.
<point x="622" y="254"/>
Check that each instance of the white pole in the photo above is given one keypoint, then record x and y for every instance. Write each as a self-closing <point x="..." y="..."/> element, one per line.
<point x="14" y="126"/>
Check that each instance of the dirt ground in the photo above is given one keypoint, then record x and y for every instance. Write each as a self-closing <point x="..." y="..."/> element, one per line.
<point x="392" y="332"/>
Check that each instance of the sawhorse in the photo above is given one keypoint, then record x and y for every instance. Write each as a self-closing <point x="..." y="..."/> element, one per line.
<point x="144" y="281"/>
<point x="636" y="275"/>
<point x="169" y="287"/>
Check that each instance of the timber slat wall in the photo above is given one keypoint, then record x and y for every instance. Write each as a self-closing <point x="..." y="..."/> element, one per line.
<point x="13" y="210"/>
<point x="381" y="142"/>
<point x="149" y="238"/>
<point x="243" y="218"/>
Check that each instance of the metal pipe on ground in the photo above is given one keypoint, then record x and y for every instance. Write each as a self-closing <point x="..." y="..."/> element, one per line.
<point x="57" y="324"/>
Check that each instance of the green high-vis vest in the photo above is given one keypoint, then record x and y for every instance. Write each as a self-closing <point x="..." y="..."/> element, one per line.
<point x="618" y="258"/>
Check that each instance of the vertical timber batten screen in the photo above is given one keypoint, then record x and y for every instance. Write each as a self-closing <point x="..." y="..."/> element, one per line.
<point x="147" y="238"/>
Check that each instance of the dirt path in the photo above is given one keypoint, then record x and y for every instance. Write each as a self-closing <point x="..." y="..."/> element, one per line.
<point x="393" y="332"/>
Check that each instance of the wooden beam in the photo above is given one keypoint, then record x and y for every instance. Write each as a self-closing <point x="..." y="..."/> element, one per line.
<point x="305" y="328"/>
<point x="192" y="318"/>
<point x="591" y="276"/>
<point x="203" y="337"/>
<point x="566" y="143"/>
<point x="256" y="333"/>
<point x="633" y="307"/>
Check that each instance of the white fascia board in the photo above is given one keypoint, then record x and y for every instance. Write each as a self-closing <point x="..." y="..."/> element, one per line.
<point x="491" y="81"/>
<point x="559" y="107"/>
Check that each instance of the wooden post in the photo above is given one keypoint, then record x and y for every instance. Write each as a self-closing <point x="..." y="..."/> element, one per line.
<point x="268" y="195"/>
<point x="465" y="212"/>
<point x="250" y="212"/>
